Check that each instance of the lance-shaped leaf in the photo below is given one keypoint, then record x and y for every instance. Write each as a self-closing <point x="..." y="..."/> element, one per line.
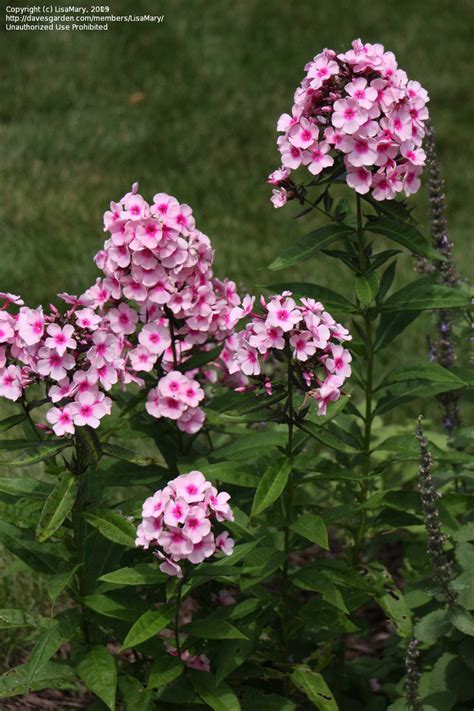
<point x="145" y="574"/>
<point x="24" y="487"/>
<point x="37" y="452"/>
<point x="50" y="676"/>
<point x="431" y="372"/>
<point x="98" y="672"/>
<point x="11" y="619"/>
<point x="314" y="686"/>
<point x="57" y="506"/>
<point x="62" y="629"/>
<point x="405" y="233"/>
<point x="112" y="525"/>
<point x="164" y="670"/>
<point x="271" y="485"/>
<point x="304" y="248"/>
<point x="312" y="528"/>
<point x="10" y="422"/>
<point x="148" y="625"/>
<point x="422" y="295"/>
<point x="366" y="287"/>
<point x="219" y="698"/>
<point x="127" y="455"/>
<point x="214" y="626"/>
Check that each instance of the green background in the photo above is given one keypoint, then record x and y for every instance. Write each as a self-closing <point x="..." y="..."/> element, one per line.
<point x="190" y="107"/>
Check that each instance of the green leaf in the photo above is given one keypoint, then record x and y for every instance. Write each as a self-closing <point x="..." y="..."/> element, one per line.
<point x="24" y="487"/>
<point x="310" y="244"/>
<point x="148" y="625"/>
<point x="327" y="438"/>
<point x="313" y="528"/>
<point x="312" y="579"/>
<point x="88" y="441"/>
<point x="214" y="626"/>
<point x="109" y="606"/>
<point x="135" y="696"/>
<point x="59" y="582"/>
<point x="50" y="676"/>
<point x="394" y="605"/>
<point x="57" y="506"/>
<point x="463" y="620"/>
<point x="112" y="526"/>
<point x="232" y="654"/>
<point x="11" y="619"/>
<point x="421" y="295"/>
<point x="62" y="628"/>
<point x="98" y="672"/>
<point x="144" y="574"/>
<point x="252" y="446"/>
<point x="199" y="359"/>
<point x="271" y="485"/>
<point x="313" y="685"/>
<point x="366" y="287"/>
<point x="432" y="627"/>
<point x="231" y="473"/>
<point x="127" y="455"/>
<point x="404" y="233"/>
<point x="431" y="372"/>
<point x="164" y="670"/>
<point x="10" y="422"/>
<point x="331" y="299"/>
<point x="219" y="698"/>
<point x="38" y="453"/>
<point x="392" y="325"/>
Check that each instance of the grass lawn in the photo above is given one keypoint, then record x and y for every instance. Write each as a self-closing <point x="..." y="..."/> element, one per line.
<point x="190" y="107"/>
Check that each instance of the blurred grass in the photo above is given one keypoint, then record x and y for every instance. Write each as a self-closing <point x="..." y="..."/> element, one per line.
<point x="190" y="107"/>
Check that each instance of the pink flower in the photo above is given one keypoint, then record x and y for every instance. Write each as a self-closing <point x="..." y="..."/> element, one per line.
<point x="303" y="134"/>
<point x="360" y="179"/>
<point x="320" y="158"/>
<point x="142" y="359"/>
<point x="6" y="327"/>
<point x="155" y="338"/>
<point x="87" y="410"/>
<point x="279" y="197"/>
<point x="86" y="318"/>
<point x="361" y="151"/>
<point x="203" y="549"/>
<point x="155" y="505"/>
<point x="31" y="325"/>
<point x="218" y="502"/>
<point x="303" y="345"/>
<point x="348" y="115"/>
<point x="123" y="320"/>
<point x="58" y="392"/>
<point x="169" y="567"/>
<point x="363" y="94"/>
<point x="283" y="313"/>
<point x="176" y="512"/>
<point x="60" y="339"/>
<point x="191" y="420"/>
<point x="339" y="363"/>
<point x="62" y="420"/>
<point x="225" y="543"/>
<point x="10" y="382"/>
<point x="190" y="487"/>
<point x="197" y="524"/>
<point x="104" y="350"/>
<point x="55" y="365"/>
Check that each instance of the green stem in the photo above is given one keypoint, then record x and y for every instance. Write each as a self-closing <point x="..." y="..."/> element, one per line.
<point x="176" y="617"/>
<point x="287" y="504"/>
<point x="368" y="418"/>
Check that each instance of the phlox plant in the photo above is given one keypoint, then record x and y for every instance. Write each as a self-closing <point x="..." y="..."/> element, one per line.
<point x="220" y="486"/>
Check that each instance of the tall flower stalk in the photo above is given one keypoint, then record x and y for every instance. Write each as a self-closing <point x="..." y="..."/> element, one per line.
<point x="440" y="562"/>
<point x="413" y="677"/>
<point x="442" y="350"/>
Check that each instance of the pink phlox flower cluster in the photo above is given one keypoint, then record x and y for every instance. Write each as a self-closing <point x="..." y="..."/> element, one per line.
<point x="156" y="258"/>
<point x="201" y="662"/>
<point x="178" y="520"/>
<point x="357" y="105"/>
<point x="310" y="333"/>
<point x="78" y="356"/>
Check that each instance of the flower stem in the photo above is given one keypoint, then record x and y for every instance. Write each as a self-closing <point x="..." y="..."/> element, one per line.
<point x="176" y="617"/>
<point x="368" y="417"/>
<point x="287" y="504"/>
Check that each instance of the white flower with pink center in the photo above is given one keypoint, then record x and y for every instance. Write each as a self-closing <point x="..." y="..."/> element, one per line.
<point x="10" y="382"/>
<point x="55" y="365"/>
<point x="339" y="363"/>
<point x="197" y="525"/>
<point x="123" y="320"/>
<point x="60" y="338"/>
<point x="348" y="115"/>
<point x="61" y="418"/>
<point x="88" y="410"/>
<point x="141" y="359"/>
<point x="191" y="487"/>
<point x="31" y="325"/>
<point x="283" y="313"/>
<point x="175" y="512"/>
<point x="154" y="506"/>
<point x="225" y="543"/>
<point x="88" y="319"/>
<point x="155" y="338"/>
